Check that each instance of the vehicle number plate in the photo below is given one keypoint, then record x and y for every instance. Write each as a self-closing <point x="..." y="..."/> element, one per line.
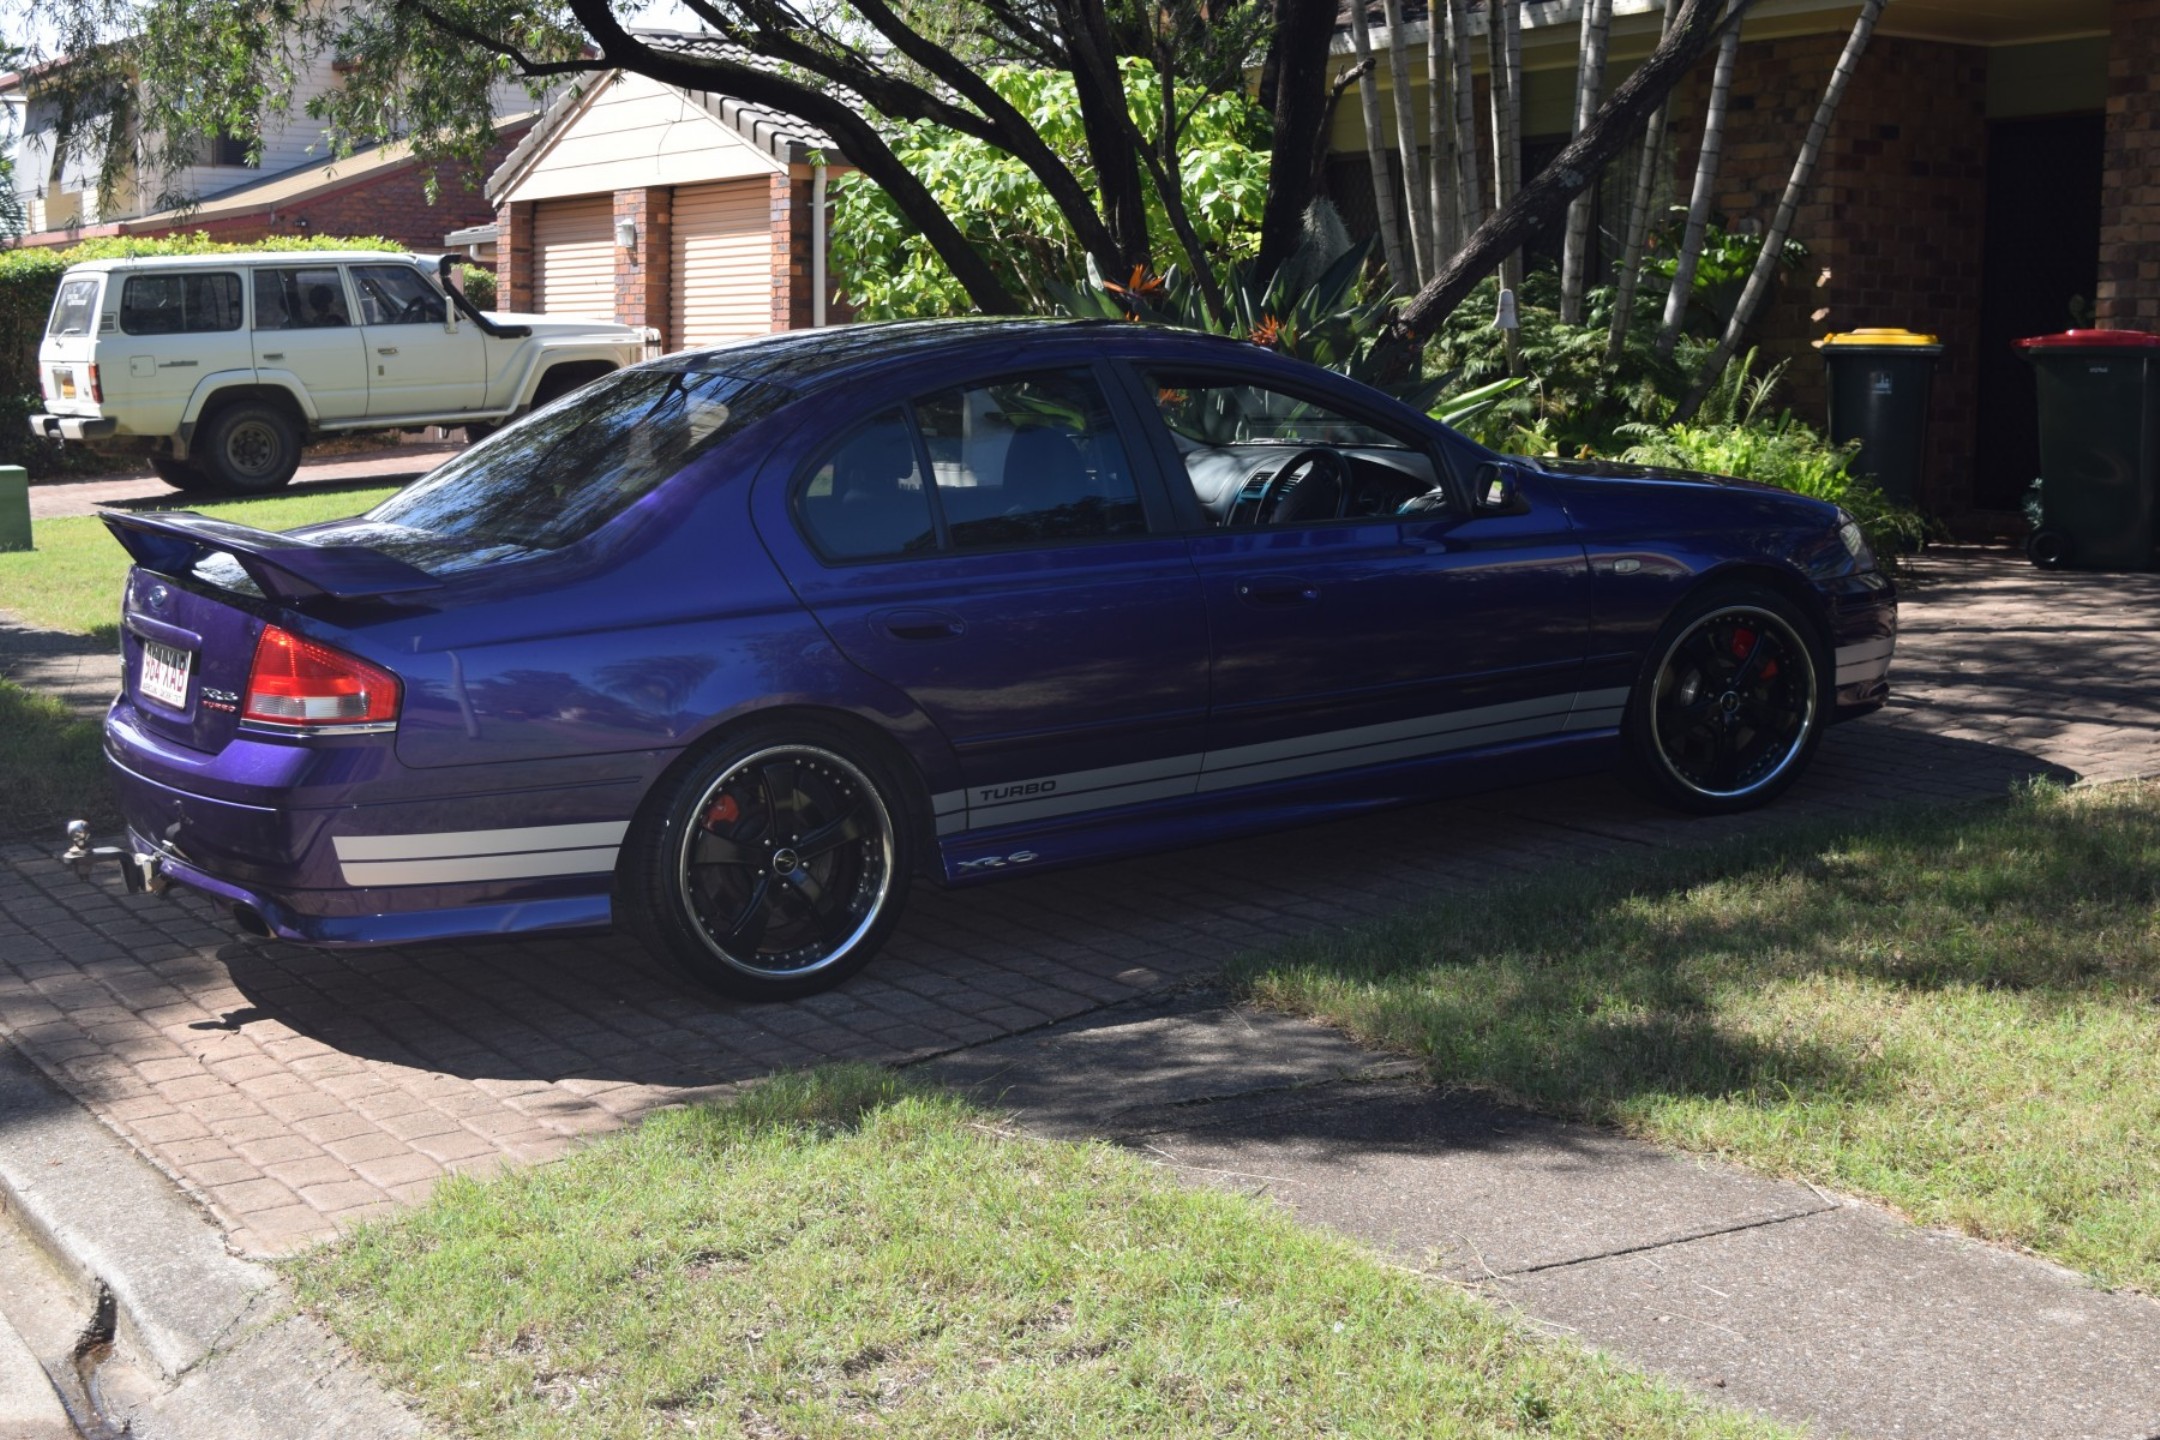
<point x="66" y="381"/>
<point x="164" y="674"/>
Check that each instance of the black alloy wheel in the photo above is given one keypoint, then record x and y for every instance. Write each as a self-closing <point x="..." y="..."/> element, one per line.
<point x="1733" y="705"/>
<point x="778" y="869"/>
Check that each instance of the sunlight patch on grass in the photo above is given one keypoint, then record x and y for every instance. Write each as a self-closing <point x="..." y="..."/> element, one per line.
<point x="71" y="580"/>
<point x="839" y="1255"/>
<point x="1955" y="1013"/>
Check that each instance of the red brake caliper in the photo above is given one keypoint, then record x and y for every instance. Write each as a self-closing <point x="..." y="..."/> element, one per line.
<point x="723" y="811"/>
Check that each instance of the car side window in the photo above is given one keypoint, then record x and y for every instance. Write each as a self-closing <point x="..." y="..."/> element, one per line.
<point x="182" y="303"/>
<point x="1029" y="459"/>
<point x="1257" y="454"/>
<point x="866" y="499"/>
<point x="305" y="297"/>
<point x="397" y="295"/>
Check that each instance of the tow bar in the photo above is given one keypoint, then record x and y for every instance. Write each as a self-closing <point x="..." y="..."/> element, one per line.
<point x="143" y="874"/>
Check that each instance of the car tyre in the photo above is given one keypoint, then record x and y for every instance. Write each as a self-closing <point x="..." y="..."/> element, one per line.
<point x="179" y="473"/>
<point x="772" y="867"/>
<point x="252" y="447"/>
<point x="1731" y="702"/>
<point x="2049" y="549"/>
<point x="478" y="430"/>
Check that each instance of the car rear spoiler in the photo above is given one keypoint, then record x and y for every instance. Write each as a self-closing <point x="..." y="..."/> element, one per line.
<point x="285" y="567"/>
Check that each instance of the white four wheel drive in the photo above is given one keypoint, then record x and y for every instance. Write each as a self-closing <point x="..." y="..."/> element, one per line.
<point x="223" y="366"/>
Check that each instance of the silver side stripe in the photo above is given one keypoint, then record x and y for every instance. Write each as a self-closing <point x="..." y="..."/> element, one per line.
<point x="1376" y="744"/>
<point x="1082" y="790"/>
<point x="1867" y="660"/>
<point x="1597" y="709"/>
<point x="448" y="857"/>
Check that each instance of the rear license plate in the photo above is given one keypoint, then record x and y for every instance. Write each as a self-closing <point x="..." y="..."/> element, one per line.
<point x="164" y="674"/>
<point x="66" y="380"/>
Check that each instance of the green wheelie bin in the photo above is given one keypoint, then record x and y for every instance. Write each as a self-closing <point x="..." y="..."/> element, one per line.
<point x="1880" y="385"/>
<point x="2099" y="448"/>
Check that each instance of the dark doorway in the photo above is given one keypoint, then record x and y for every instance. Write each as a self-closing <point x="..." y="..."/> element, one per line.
<point x="2043" y="259"/>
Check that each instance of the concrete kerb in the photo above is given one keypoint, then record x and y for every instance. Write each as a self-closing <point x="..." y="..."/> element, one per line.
<point x="221" y="1334"/>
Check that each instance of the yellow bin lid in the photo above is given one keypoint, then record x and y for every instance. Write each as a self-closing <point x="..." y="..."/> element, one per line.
<point x="1881" y="337"/>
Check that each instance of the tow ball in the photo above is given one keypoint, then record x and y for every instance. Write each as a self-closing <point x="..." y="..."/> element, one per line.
<point x="142" y="874"/>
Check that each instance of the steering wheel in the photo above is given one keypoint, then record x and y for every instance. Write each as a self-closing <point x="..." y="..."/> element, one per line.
<point x="1304" y="468"/>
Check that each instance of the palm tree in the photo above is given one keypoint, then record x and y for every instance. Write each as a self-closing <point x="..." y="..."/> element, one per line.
<point x="1422" y="254"/>
<point x="1766" y="264"/>
<point x="1698" y="215"/>
<point x="1589" y="85"/>
<point x="1469" y="185"/>
<point x="1383" y="181"/>
<point x="1446" y="217"/>
<point x="1638" y="224"/>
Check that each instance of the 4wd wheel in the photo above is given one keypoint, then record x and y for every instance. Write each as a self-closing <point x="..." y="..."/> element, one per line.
<point x="252" y="446"/>
<point x="1730" y="705"/>
<point x="774" y="867"/>
<point x="179" y="473"/>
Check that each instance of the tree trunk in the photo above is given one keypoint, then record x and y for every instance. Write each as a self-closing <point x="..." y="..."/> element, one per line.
<point x="1400" y="273"/>
<point x="1302" y="31"/>
<point x="1698" y="214"/>
<point x="1440" y="137"/>
<point x="1469" y="184"/>
<point x="1766" y="264"/>
<point x="1105" y="120"/>
<point x="1417" y="202"/>
<point x="1589" y="87"/>
<point x="1638" y="225"/>
<point x="855" y="136"/>
<point x="1545" y="199"/>
<point x="1503" y="53"/>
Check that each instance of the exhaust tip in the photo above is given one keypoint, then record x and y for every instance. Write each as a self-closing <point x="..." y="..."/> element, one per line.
<point x="249" y="919"/>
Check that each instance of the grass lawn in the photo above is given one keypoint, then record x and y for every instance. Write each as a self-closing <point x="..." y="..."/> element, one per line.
<point x="1955" y="1013"/>
<point x="71" y="581"/>
<point x="51" y="768"/>
<point x="836" y="1256"/>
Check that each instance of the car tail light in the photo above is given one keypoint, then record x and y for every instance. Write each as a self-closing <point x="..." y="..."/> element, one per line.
<point x="298" y="684"/>
<point x="97" y="390"/>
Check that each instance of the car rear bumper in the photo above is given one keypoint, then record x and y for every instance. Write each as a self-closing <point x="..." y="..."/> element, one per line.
<point x="332" y="869"/>
<point x="73" y="427"/>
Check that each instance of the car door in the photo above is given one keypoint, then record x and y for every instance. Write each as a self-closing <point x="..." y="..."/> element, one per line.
<point x="1378" y="619"/>
<point x="417" y="365"/>
<point x="304" y="332"/>
<point x="992" y="549"/>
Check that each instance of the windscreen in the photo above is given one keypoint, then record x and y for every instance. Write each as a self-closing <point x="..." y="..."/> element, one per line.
<point x="559" y="475"/>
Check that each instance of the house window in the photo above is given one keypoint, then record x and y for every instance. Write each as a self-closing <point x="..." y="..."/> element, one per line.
<point x="227" y="150"/>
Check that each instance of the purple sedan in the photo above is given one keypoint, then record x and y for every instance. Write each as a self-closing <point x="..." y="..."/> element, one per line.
<point x="730" y="647"/>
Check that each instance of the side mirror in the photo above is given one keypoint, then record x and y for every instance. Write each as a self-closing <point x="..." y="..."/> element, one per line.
<point x="1493" y="490"/>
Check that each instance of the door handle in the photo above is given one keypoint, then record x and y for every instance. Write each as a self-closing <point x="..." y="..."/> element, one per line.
<point x="1278" y="590"/>
<point x="273" y="355"/>
<point x="386" y="350"/>
<point x="920" y="624"/>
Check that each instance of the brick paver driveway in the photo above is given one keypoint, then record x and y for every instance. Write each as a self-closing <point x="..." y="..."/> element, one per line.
<point x="295" y="1090"/>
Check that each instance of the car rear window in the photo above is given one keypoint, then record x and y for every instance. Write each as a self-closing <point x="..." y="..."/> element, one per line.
<point x="74" y="310"/>
<point x="188" y="303"/>
<point x="559" y="475"/>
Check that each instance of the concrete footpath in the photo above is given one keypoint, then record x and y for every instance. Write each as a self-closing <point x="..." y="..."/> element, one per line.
<point x="1808" y="1306"/>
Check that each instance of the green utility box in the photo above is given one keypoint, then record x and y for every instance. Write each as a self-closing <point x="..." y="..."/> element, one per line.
<point x="1880" y="384"/>
<point x="2099" y="448"/>
<point x="14" y="508"/>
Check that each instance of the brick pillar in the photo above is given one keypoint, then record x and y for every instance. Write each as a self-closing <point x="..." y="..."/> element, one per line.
<point x="791" y="309"/>
<point x="514" y="256"/>
<point x="2129" y="296"/>
<point x="641" y="272"/>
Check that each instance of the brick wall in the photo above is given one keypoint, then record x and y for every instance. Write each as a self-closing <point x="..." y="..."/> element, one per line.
<point x="642" y="279"/>
<point x="1895" y="214"/>
<point x="2129" y="293"/>
<point x="514" y="256"/>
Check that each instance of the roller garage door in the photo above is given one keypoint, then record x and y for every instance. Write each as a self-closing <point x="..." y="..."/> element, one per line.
<point x="722" y="270"/>
<point x="574" y="257"/>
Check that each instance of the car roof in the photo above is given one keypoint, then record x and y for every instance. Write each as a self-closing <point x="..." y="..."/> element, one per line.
<point x="231" y="258"/>
<point x="816" y="357"/>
